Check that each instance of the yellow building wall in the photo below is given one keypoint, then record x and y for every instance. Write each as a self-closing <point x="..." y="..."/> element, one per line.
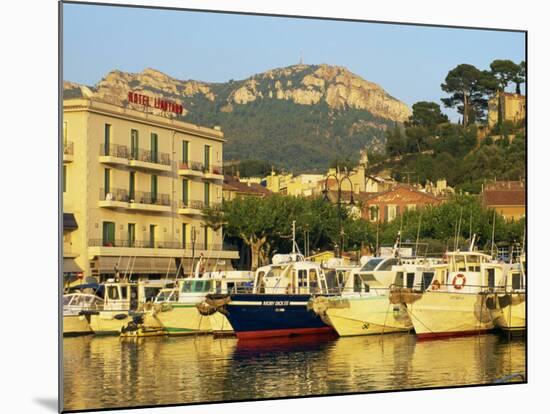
<point x="85" y="178"/>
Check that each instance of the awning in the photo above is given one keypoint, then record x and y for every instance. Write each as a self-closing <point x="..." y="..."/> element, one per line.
<point x="136" y="265"/>
<point x="70" y="266"/>
<point x="69" y="222"/>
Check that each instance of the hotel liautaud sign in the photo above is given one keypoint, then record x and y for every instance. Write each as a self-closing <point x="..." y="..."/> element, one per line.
<point x="157" y="103"/>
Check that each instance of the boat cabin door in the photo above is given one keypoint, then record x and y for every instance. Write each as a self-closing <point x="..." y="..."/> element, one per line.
<point x="134" y="302"/>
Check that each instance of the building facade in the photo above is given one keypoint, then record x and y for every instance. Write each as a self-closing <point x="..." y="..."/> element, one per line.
<point x="136" y="185"/>
<point x="511" y="106"/>
<point x="387" y="206"/>
<point x="506" y="197"/>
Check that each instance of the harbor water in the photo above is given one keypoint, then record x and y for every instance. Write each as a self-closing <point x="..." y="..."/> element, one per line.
<point x="105" y="372"/>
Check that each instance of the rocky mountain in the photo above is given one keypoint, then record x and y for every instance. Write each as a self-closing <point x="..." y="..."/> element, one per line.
<point x="300" y="117"/>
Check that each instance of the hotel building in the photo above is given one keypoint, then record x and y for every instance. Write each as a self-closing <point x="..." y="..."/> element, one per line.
<point x="134" y="188"/>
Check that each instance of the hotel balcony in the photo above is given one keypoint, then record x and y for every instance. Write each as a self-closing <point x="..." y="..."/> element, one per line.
<point x="113" y="154"/>
<point x="149" y="160"/>
<point x="191" y="169"/>
<point x="68" y="151"/>
<point x="191" y="207"/>
<point x="139" y="201"/>
<point x="214" y="172"/>
<point x="157" y="248"/>
<point x="114" y="198"/>
<point x="142" y="201"/>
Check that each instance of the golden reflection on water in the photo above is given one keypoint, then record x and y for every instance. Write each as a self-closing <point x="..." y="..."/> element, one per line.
<point x="113" y="372"/>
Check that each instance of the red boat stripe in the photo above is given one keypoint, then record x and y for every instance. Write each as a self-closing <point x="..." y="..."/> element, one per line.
<point x="283" y="332"/>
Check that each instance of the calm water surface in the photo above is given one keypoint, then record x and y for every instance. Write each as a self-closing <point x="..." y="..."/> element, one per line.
<point x="103" y="372"/>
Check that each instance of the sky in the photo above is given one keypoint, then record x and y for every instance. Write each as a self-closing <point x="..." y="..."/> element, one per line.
<point x="409" y="62"/>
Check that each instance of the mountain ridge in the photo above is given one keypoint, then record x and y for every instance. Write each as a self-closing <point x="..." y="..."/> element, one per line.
<point x="325" y="109"/>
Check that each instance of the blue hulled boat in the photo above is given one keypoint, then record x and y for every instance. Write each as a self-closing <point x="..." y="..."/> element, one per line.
<point x="278" y="305"/>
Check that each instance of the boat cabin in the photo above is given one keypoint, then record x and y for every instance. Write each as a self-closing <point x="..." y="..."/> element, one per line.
<point x="73" y="303"/>
<point x="472" y="272"/>
<point x="293" y="277"/>
<point x="515" y="277"/>
<point x="121" y="296"/>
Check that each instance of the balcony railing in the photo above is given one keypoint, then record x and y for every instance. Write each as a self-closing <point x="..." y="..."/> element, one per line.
<point x="68" y="148"/>
<point x="114" y="150"/>
<point x="144" y="155"/>
<point x="194" y="204"/>
<point x="157" y="244"/>
<point x="151" y="198"/>
<point x="191" y="165"/>
<point x="215" y="169"/>
<point x="114" y="194"/>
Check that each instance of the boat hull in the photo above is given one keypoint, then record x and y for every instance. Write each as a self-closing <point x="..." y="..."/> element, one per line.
<point x="220" y="324"/>
<point x="182" y="319"/>
<point x="445" y="314"/>
<point x="265" y="315"/>
<point x="367" y="316"/>
<point x="76" y="325"/>
<point x="509" y="315"/>
<point x="111" y="322"/>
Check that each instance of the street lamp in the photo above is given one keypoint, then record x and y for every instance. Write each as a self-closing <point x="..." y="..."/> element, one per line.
<point x="339" y="181"/>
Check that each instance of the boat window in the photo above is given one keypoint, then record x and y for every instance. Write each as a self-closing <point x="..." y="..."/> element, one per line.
<point x="112" y="292"/>
<point x="357" y="282"/>
<point x="371" y="264"/>
<point x="187" y="287"/>
<point x="207" y="286"/>
<point x="410" y="280"/>
<point x="399" y="279"/>
<point x="427" y="278"/>
<point x="230" y="287"/>
<point x="302" y="278"/>
<point x="491" y="278"/>
<point x="67" y="300"/>
<point x="198" y="286"/>
<point x="124" y="292"/>
<point x="313" y="285"/>
<point x="517" y="281"/>
<point x="460" y="264"/>
<point x="388" y="264"/>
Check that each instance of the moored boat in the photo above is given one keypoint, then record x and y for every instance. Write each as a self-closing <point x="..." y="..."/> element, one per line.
<point x="75" y="305"/>
<point x="453" y="304"/>
<point x="122" y="301"/>
<point x="507" y="304"/>
<point x="179" y="310"/>
<point x="363" y="307"/>
<point x="278" y="305"/>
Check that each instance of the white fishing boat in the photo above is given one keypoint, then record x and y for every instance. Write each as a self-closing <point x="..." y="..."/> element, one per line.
<point x="123" y="301"/>
<point x="180" y="310"/>
<point x="75" y="305"/>
<point x="454" y="303"/>
<point x="364" y="307"/>
<point x="507" y="304"/>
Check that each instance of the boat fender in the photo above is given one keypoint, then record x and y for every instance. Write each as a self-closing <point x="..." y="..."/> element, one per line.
<point x="504" y="301"/>
<point x="491" y="303"/>
<point x="436" y="285"/>
<point x="120" y="316"/>
<point x="459" y="281"/>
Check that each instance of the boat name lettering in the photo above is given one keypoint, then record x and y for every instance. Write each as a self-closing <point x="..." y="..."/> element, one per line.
<point x="275" y="303"/>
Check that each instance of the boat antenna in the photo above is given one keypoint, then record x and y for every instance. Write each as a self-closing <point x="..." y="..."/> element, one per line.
<point x="458" y="230"/>
<point x="377" y="231"/>
<point x="293" y="236"/>
<point x="493" y="232"/>
<point x="473" y="239"/>
<point x="471" y="212"/>
<point x="418" y="234"/>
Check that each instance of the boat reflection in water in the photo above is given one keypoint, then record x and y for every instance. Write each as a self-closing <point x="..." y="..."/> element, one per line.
<point x="107" y="372"/>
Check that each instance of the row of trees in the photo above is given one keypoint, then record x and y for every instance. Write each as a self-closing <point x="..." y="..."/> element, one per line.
<point x="264" y="225"/>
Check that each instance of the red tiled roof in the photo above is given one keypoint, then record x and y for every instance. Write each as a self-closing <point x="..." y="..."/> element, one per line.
<point x="233" y="184"/>
<point x="504" y="198"/>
